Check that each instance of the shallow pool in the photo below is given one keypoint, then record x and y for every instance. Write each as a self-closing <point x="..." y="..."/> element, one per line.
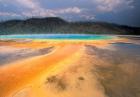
<point x="57" y="36"/>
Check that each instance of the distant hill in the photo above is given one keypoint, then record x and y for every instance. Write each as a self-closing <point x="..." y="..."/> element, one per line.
<point x="58" y="25"/>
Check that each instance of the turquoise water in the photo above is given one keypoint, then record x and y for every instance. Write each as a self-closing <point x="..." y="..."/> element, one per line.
<point x="57" y="36"/>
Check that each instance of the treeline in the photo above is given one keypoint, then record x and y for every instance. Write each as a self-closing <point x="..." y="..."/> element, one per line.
<point x="58" y="25"/>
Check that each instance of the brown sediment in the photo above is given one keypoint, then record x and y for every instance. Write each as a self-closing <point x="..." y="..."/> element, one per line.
<point x="23" y="72"/>
<point x="71" y="69"/>
<point x="117" y="72"/>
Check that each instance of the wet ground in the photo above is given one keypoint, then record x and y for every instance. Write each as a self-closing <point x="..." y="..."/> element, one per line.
<point x="104" y="68"/>
<point x="10" y="54"/>
<point x="118" y="72"/>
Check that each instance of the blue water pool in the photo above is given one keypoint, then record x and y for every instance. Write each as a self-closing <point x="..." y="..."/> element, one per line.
<point x="57" y="36"/>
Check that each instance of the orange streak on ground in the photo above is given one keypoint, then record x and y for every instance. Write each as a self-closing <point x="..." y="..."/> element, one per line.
<point x="20" y="73"/>
<point x="35" y="44"/>
<point x="17" y="74"/>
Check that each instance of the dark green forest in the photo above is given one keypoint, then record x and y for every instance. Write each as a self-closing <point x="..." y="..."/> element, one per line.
<point x="58" y="25"/>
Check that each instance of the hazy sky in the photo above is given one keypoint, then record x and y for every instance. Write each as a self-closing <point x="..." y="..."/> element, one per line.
<point x="117" y="11"/>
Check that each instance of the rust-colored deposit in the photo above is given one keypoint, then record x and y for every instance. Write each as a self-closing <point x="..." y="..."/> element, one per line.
<point x="54" y="68"/>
